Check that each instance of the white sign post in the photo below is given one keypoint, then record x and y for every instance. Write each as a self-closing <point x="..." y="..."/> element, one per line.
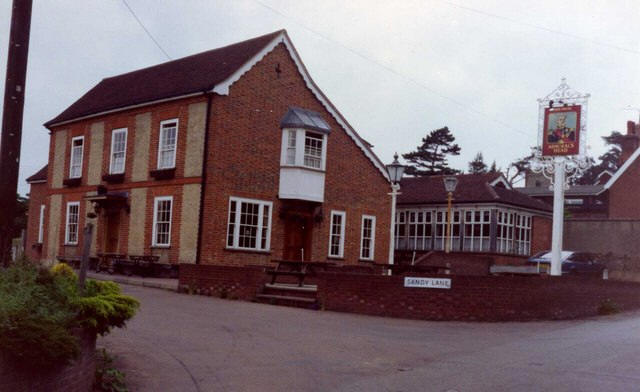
<point x="561" y="153"/>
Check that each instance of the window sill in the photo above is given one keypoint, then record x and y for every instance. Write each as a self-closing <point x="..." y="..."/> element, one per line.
<point x="336" y="257"/>
<point x="160" y="247"/>
<point x="313" y="169"/>
<point x="163" y="174"/>
<point x="368" y="261"/>
<point x="70" y="244"/>
<point x="242" y="250"/>
<point x="115" y="178"/>
<point x="72" y="182"/>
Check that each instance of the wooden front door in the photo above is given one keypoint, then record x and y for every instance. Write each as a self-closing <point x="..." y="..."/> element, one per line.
<point x="297" y="238"/>
<point x="112" y="231"/>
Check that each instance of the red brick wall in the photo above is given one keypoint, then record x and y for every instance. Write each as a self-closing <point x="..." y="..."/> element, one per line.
<point x="244" y="161"/>
<point x="540" y="234"/>
<point x="37" y="197"/>
<point x="475" y="298"/>
<point x="171" y="187"/>
<point x="623" y="194"/>
<point x="76" y="377"/>
<point x="222" y="281"/>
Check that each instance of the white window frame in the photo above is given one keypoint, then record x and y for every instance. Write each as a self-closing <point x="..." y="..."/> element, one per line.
<point x="124" y="158"/>
<point x="41" y="224"/>
<point x="175" y="150"/>
<point x="235" y="225"/>
<point x="343" y="222"/>
<point x="72" y="154"/>
<point x="299" y="149"/>
<point x="481" y="242"/>
<point x="67" y="230"/>
<point x="372" y="239"/>
<point x="156" y="202"/>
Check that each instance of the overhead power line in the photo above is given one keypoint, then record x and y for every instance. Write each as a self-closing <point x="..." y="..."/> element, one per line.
<point x="538" y="27"/>
<point x="145" y="29"/>
<point x="388" y="68"/>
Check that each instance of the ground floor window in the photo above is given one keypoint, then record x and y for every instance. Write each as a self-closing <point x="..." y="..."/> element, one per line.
<point x="368" y="237"/>
<point x="71" y="229"/>
<point x="249" y="225"/>
<point x="477" y="227"/>
<point x="162" y="221"/>
<point x="336" y="234"/>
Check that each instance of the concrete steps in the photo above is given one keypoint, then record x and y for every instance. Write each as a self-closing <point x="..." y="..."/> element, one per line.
<point x="284" y="294"/>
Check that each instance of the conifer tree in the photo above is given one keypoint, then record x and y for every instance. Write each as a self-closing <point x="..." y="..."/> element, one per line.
<point x="430" y="158"/>
<point x="477" y="165"/>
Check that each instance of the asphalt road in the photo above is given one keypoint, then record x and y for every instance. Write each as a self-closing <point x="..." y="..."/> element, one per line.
<point x="179" y="342"/>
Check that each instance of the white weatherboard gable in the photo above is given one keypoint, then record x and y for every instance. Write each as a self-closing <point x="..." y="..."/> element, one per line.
<point x="223" y="89"/>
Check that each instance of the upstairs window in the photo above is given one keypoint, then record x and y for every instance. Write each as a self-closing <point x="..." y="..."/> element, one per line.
<point x="168" y="140"/>
<point x="313" y="150"/>
<point x="291" y="147"/>
<point x="118" y="150"/>
<point x="336" y="234"/>
<point x="77" y="149"/>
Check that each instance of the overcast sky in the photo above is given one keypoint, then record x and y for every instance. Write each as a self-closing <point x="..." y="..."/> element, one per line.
<point x="395" y="69"/>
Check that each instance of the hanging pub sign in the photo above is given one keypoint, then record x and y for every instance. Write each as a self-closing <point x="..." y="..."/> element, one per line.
<point x="561" y="131"/>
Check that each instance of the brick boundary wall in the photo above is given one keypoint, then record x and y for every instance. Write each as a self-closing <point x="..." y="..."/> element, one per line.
<point x="475" y="298"/>
<point x="75" y="377"/>
<point x="222" y="281"/>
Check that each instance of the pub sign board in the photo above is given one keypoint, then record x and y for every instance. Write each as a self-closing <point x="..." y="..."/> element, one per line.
<point x="427" y="283"/>
<point x="561" y="134"/>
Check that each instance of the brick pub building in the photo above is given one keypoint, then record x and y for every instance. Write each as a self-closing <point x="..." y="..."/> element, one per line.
<point x="229" y="157"/>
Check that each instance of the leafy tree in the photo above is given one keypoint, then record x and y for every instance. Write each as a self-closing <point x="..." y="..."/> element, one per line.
<point x="430" y="158"/>
<point x="477" y="165"/>
<point x="518" y="168"/>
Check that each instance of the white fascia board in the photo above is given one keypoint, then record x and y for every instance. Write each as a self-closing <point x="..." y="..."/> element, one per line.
<point x="622" y="169"/>
<point x="501" y="179"/>
<point x="223" y="89"/>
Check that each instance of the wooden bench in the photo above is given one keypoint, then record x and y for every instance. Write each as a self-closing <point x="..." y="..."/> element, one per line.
<point x="107" y="261"/>
<point x="299" y="269"/>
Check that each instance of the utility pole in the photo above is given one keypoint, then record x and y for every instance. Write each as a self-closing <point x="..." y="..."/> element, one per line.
<point x="12" y="121"/>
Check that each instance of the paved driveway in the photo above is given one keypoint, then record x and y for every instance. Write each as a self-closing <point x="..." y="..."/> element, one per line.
<point x="192" y="343"/>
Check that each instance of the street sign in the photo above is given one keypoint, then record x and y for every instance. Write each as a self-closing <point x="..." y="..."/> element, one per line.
<point x="427" y="283"/>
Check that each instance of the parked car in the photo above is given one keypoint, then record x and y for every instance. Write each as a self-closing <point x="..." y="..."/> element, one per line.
<point x="572" y="262"/>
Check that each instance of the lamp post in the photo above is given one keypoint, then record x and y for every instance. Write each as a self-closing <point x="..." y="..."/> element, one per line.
<point x="450" y="183"/>
<point x="395" y="171"/>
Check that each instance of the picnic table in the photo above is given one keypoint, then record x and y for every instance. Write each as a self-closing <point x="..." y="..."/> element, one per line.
<point x="299" y="269"/>
<point x="107" y="261"/>
<point x="405" y="268"/>
<point x="74" y="261"/>
<point x="143" y="265"/>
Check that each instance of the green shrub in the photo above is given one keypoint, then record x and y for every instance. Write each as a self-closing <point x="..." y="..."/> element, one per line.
<point x="41" y="308"/>
<point x="108" y="377"/>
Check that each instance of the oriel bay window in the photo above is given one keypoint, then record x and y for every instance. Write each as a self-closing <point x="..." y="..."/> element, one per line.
<point x="249" y="225"/>
<point x="304" y="148"/>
